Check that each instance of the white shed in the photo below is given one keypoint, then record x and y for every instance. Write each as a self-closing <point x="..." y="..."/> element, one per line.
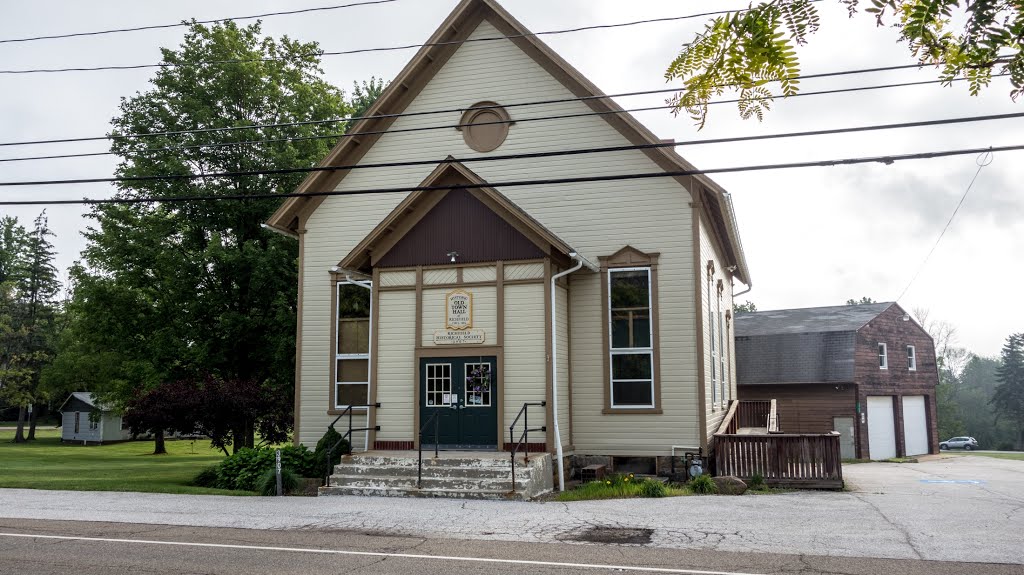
<point x="79" y="424"/>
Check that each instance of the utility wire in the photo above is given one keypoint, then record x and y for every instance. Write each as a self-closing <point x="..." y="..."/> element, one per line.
<point x="523" y="156"/>
<point x="887" y="160"/>
<point x="453" y="126"/>
<point x="473" y="108"/>
<point x="179" y="24"/>
<point x="380" y="49"/>
<point x="985" y="159"/>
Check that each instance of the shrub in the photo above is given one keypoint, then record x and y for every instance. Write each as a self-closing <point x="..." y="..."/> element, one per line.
<point x="653" y="489"/>
<point x="206" y="477"/>
<point x="243" y="469"/>
<point x="299" y="459"/>
<point x="268" y="481"/>
<point x="703" y="485"/>
<point x="320" y="467"/>
<point x="756" y="481"/>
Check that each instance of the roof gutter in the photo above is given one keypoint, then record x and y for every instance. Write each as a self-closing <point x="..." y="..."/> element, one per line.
<point x="284" y="233"/>
<point x="734" y="236"/>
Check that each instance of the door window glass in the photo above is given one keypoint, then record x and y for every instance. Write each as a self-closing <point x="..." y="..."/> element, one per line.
<point x="439" y="385"/>
<point x="478" y="384"/>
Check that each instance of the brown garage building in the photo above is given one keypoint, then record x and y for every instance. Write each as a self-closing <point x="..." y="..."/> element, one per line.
<point x="866" y="371"/>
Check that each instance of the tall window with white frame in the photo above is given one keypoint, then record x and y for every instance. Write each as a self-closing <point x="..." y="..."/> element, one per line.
<point x="352" y="368"/>
<point x="911" y="358"/>
<point x="632" y="352"/>
<point x="883" y="356"/>
<point x="714" y="350"/>
<point x="722" y="376"/>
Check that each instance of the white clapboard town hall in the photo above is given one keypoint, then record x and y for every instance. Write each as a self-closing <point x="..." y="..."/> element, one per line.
<point x="608" y="301"/>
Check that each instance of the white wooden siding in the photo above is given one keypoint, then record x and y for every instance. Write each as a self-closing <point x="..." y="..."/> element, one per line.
<point x="397" y="279"/>
<point x="84" y="432"/>
<point x="525" y="360"/>
<point x="716" y="410"/>
<point x="562" y="341"/>
<point x="652" y="215"/>
<point x="396" y="365"/>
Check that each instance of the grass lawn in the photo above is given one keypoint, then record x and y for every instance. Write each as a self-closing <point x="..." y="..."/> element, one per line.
<point x="48" y="464"/>
<point x="617" y="490"/>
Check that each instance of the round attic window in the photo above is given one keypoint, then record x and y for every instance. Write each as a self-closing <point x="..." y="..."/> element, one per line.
<point x="485" y="126"/>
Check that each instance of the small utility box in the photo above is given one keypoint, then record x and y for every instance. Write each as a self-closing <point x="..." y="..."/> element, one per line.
<point x="592" y="472"/>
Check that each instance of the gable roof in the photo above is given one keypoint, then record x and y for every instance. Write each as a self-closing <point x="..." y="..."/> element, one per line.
<point x="463" y="20"/>
<point x="86" y="398"/>
<point x="808" y="320"/>
<point x="390" y="232"/>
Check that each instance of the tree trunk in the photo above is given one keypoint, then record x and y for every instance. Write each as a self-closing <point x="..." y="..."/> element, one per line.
<point x="159" y="448"/>
<point x="19" y="434"/>
<point x="32" y="419"/>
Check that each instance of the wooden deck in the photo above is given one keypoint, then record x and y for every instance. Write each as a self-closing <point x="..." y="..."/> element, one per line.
<point x="750" y="443"/>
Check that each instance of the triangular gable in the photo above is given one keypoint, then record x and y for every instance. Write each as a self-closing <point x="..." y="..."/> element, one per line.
<point x="477" y="223"/>
<point x="459" y="25"/>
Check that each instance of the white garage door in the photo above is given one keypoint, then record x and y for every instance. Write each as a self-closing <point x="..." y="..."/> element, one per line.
<point x="881" y="427"/>
<point x="915" y="425"/>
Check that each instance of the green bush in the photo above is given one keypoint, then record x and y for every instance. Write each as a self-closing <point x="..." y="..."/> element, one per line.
<point x="268" y="481"/>
<point x="319" y="466"/>
<point x="244" y="469"/>
<point x="653" y="489"/>
<point x="703" y="485"/>
<point x="756" y="481"/>
<point x="206" y="477"/>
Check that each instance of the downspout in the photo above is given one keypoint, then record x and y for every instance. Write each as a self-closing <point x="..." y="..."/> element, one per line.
<point x="554" y="366"/>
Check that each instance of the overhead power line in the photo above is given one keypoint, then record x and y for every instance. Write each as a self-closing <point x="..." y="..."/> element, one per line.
<point x="381" y="49"/>
<point x="180" y="24"/>
<point x="447" y="126"/>
<point x="983" y="161"/>
<point x="522" y="156"/>
<point x="516" y="183"/>
<point x="466" y="109"/>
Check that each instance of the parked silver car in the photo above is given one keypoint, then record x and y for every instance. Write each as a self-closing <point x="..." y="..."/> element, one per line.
<point x="965" y="443"/>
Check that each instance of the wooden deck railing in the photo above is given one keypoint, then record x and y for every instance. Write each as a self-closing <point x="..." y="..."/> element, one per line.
<point x="783" y="460"/>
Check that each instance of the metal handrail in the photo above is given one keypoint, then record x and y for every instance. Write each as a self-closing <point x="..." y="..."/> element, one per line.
<point x="524" y="437"/>
<point x="419" y="470"/>
<point x="347" y="436"/>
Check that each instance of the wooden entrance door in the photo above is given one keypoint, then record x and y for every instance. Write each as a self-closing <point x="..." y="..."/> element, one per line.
<point x="462" y="391"/>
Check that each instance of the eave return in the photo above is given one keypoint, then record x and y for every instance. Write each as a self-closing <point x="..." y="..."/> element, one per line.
<point x="750" y="442"/>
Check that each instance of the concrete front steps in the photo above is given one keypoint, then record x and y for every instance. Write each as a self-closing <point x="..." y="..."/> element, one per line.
<point x="454" y="474"/>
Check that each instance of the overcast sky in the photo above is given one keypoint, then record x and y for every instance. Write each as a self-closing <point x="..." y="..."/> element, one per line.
<point x="813" y="237"/>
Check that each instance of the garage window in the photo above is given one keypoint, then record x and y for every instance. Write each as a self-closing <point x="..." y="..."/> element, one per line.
<point x="911" y="358"/>
<point x="883" y="357"/>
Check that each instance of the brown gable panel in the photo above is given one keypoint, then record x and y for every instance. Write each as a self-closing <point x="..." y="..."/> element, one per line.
<point x="462" y="224"/>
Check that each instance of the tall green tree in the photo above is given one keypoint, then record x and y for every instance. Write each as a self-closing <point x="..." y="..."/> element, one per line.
<point x="28" y="293"/>
<point x="1008" y="398"/>
<point x="183" y="290"/>
<point x="748" y="49"/>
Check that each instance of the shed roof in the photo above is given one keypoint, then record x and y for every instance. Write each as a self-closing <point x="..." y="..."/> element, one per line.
<point x="86" y="398"/>
<point x="808" y="320"/>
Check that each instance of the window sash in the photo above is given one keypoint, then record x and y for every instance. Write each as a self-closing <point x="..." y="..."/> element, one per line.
<point x="911" y="358"/>
<point x="634" y="313"/>
<point x="342" y="357"/>
<point x="883" y="356"/>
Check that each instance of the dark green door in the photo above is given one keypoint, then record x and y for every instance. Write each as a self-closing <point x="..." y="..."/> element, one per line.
<point x="462" y="392"/>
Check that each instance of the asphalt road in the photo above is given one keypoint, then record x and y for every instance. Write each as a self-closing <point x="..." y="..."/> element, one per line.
<point x="62" y="547"/>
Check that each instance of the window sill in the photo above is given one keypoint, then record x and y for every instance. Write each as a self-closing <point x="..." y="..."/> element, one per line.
<point x="356" y="411"/>
<point x="632" y="411"/>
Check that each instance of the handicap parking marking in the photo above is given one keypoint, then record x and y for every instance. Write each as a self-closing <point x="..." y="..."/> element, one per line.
<point x="954" y="481"/>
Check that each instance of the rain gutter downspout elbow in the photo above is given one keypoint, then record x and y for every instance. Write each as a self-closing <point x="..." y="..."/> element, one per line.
<point x="554" y="366"/>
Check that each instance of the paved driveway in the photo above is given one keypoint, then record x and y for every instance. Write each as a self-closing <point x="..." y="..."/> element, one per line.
<point x="891" y="514"/>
